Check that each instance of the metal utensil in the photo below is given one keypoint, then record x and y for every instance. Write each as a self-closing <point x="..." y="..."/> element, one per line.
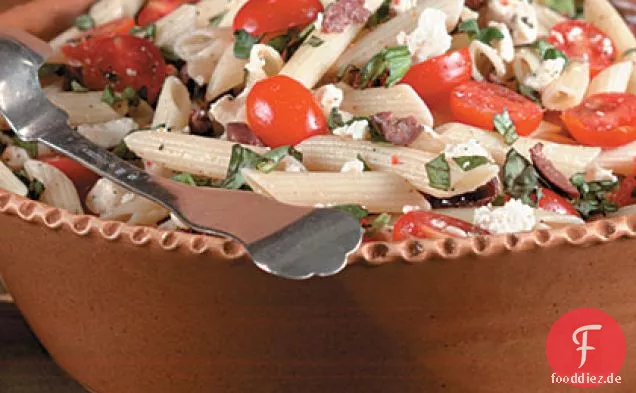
<point x="287" y="241"/>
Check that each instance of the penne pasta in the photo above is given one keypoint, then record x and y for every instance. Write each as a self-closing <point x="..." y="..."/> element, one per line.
<point x="620" y="160"/>
<point x="631" y="87"/>
<point x="59" y="190"/>
<point x="329" y="153"/>
<point x="603" y="15"/>
<point x="544" y="218"/>
<point x="547" y="18"/>
<point x="377" y="192"/>
<point x="208" y="9"/>
<point x="105" y="11"/>
<point x="173" y="106"/>
<point x="569" y="89"/>
<point x="613" y="79"/>
<point x="10" y="182"/>
<point x="201" y="50"/>
<point x="384" y="35"/>
<point x="83" y="108"/>
<point x="310" y="63"/>
<point x="185" y="153"/>
<point x="526" y="62"/>
<point x="172" y="26"/>
<point x="486" y="61"/>
<point x="228" y="74"/>
<point x="402" y="100"/>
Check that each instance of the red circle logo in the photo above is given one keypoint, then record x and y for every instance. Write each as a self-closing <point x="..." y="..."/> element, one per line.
<point x="586" y="348"/>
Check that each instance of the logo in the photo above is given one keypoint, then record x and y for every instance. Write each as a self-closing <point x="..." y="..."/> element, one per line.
<point x="586" y="348"/>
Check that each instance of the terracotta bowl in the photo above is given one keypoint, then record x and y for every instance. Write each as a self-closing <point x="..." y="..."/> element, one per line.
<point x="129" y="309"/>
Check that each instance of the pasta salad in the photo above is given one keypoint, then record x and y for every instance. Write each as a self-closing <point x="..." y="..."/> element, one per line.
<point x="423" y="118"/>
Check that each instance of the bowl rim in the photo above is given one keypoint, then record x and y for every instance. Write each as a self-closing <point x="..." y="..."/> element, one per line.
<point x="372" y="253"/>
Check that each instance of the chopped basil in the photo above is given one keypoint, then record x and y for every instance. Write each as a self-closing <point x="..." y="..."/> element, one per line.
<point x="438" y="172"/>
<point x="280" y="42"/>
<point x="629" y="52"/>
<point x="215" y="21"/>
<point x="547" y="51"/>
<point x="378" y="224"/>
<point x="49" y="70"/>
<point x="380" y="16"/>
<point x="77" y="87"/>
<point x="169" y="54"/>
<point x="521" y="179"/>
<point x="30" y="147"/>
<point x="504" y="126"/>
<point x="530" y="93"/>
<point x="36" y="189"/>
<point x="395" y="61"/>
<point x="315" y="41"/>
<point x="355" y="210"/>
<point x="109" y="96"/>
<point x="84" y="22"/>
<point x="130" y="95"/>
<point x="365" y="166"/>
<point x="487" y="35"/>
<point x="122" y="151"/>
<point x="148" y="32"/>
<point x="593" y="199"/>
<point x="565" y="7"/>
<point x="335" y="119"/>
<point x="468" y="163"/>
<point x="189" y="179"/>
<point x="243" y="43"/>
<point x="376" y="134"/>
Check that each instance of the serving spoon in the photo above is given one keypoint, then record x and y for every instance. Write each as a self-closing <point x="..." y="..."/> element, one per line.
<point x="287" y="241"/>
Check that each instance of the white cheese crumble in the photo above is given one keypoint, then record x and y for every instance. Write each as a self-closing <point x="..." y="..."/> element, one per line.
<point x="468" y="14"/>
<point x="519" y="15"/>
<point x="329" y="97"/>
<point x="430" y="38"/>
<point x="358" y="130"/>
<point x="470" y="148"/>
<point x="409" y="208"/>
<point x="514" y="216"/>
<point x="505" y="47"/>
<point x="597" y="173"/>
<point x="400" y="6"/>
<point x="548" y="72"/>
<point x="353" y="166"/>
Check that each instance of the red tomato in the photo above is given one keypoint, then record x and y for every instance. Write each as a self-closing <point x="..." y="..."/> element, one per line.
<point x="268" y="16"/>
<point x="626" y="193"/>
<point x="477" y="103"/>
<point x="84" y="179"/>
<point x="120" y="61"/>
<point x="430" y="225"/>
<point x="157" y="9"/>
<point x="579" y="39"/>
<point x="449" y="70"/>
<point x="281" y="111"/>
<point x="553" y="202"/>
<point x="118" y="26"/>
<point x="605" y="120"/>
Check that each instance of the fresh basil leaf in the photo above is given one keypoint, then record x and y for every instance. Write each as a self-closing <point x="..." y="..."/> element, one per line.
<point x="395" y="61"/>
<point x="314" y="41"/>
<point x="36" y="189"/>
<point x="365" y="165"/>
<point x="468" y="163"/>
<point x="438" y="172"/>
<point x="245" y="158"/>
<point x="77" y="87"/>
<point x="471" y="27"/>
<point x="216" y="20"/>
<point x="355" y="210"/>
<point x="169" y="54"/>
<point x="280" y="42"/>
<point x="504" y="126"/>
<point x="489" y="35"/>
<point x="377" y="225"/>
<point x="243" y="43"/>
<point x="375" y="133"/>
<point x="84" y="22"/>
<point x="547" y="51"/>
<point x="49" y="70"/>
<point x="530" y="93"/>
<point x="30" y="147"/>
<point x="565" y="7"/>
<point x="109" y="96"/>
<point x="148" y="32"/>
<point x="335" y="119"/>
<point x="191" y="180"/>
<point x="129" y="94"/>
<point x="122" y="151"/>
<point x="380" y="16"/>
<point x="521" y="179"/>
<point x="593" y="200"/>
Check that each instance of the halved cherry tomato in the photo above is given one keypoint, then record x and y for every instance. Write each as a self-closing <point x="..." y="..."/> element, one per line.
<point x="116" y="27"/>
<point x="84" y="179"/>
<point x="268" y="16"/>
<point x="553" y="202"/>
<point x="449" y="70"/>
<point x="430" y="225"/>
<point x="477" y="104"/>
<point x="157" y="9"/>
<point x="120" y="61"/>
<point x="604" y="120"/>
<point x="626" y="193"/>
<point x="579" y="39"/>
<point x="281" y="111"/>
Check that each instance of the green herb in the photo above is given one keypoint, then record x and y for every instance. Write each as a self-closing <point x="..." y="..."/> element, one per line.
<point x="315" y="41"/>
<point x="565" y="7"/>
<point x="109" y="96"/>
<point x="521" y="179"/>
<point x="148" y="32"/>
<point x="169" y="54"/>
<point x="499" y="201"/>
<point x="395" y="61"/>
<point x="36" y="189"/>
<point x="215" y="21"/>
<point x="377" y="225"/>
<point x="438" y="172"/>
<point x="189" y="179"/>
<point x="487" y="35"/>
<point x="380" y="16"/>
<point x="84" y="22"/>
<point x="365" y="165"/>
<point x="468" y="163"/>
<point x="629" y="52"/>
<point x="355" y="210"/>
<point x="375" y="133"/>
<point x="335" y="119"/>
<point x="77" y="87"/>
<point x="279" y="42"/>
<point x="529" y="92"/>
<point x="129" y="94"/>
<point x="30" y="147"/>
<point x="243" y="43"/>
<point x="122" y="151"/>
<point x="504" y="126"/>
<point x="593" y="200"/>
<point x="547" y="51"/>
<point x="49" y="70"/>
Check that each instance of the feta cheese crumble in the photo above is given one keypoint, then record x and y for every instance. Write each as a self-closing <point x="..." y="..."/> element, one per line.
<point x="409" y="208"/>
<point x="597" y="173"/>
<point x="470" y="148"/>
<point x="468" y="14"/>
<point x="353" y="166"/>
<point x="513" y="217"/>
<point x="329" y="97"/>
<point x="520" y="16"/>
<point x="548" y="72"/>
<point x="400" y="6"/>
<point x="430" y="38"/>
<point x="358" y="130"/>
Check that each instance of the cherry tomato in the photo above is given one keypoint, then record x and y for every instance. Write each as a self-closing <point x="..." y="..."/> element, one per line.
<point x="157" y="9"/>
<point x="553" y="202"/>
<point x="604" y="120"/>
<point x="120" y="61"/>
<point x="281" y="111"/>
<point x="450" y="70"/>
<point x="579" y="39"/>
<point x="84" y="179"/>
<point x="268" y="16"/>
<point x="430" y="225"/>
<point x="477" y="104"/>
<point x="626" y="193"/>
<point x="118" y="26"/>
